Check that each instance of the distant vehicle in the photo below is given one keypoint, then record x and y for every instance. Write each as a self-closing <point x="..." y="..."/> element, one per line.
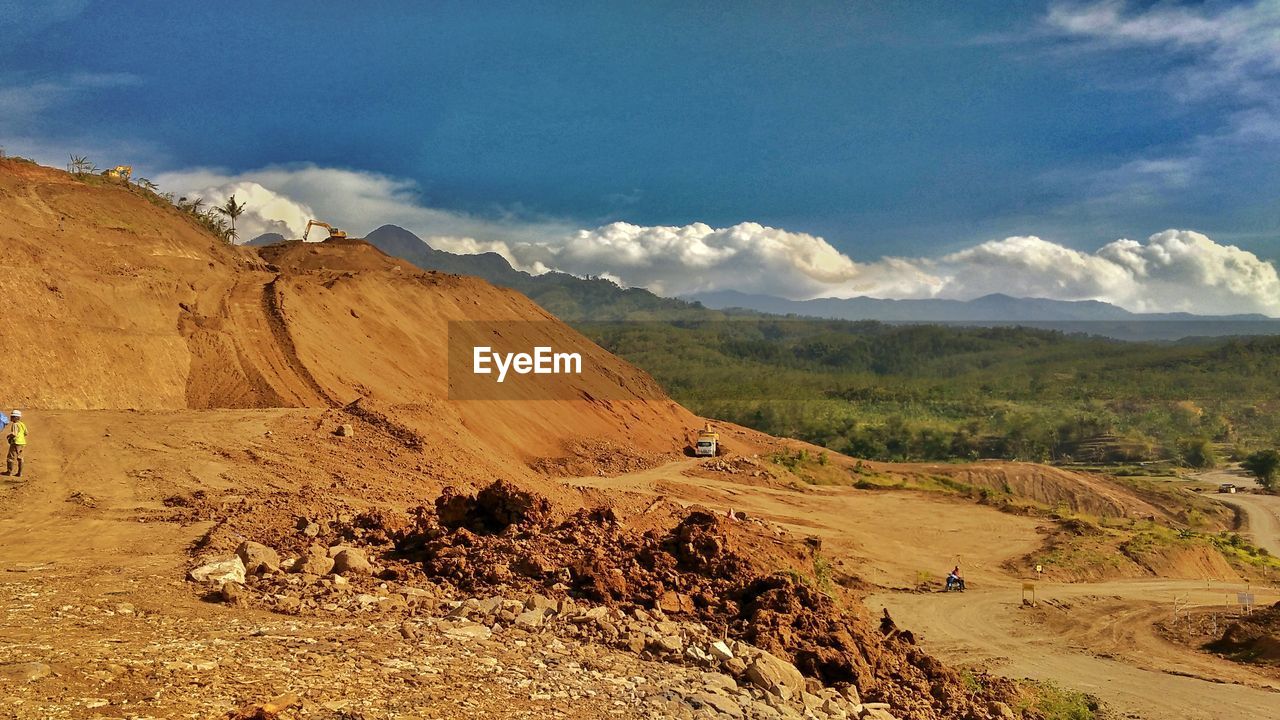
<point x="334" y="233"/>
<point x="1227" y="488"/>
<point x="708" y="443"/>
<point x="119" y="172"/>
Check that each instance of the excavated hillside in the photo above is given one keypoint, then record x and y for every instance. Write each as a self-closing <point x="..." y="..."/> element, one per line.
<point x="122" y="301"/>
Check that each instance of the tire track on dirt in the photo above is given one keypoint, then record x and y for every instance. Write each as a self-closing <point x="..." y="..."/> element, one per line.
<point x="273" y="306"/>
<point x="988" y="629"/>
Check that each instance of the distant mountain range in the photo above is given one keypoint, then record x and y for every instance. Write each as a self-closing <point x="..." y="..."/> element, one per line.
<point x="996" y="307"/>
<point x="568" y="297"/>
<point x="1086" y="316"/>
<point x="265" y="239"/>
<point x="595" y="299"/>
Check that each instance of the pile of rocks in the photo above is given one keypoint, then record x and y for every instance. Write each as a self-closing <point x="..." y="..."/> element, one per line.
<point x="651" y="595"/>
<point x="738" y="465"/>
<point x="737" y="680"/>
<point x="336" y="580"/>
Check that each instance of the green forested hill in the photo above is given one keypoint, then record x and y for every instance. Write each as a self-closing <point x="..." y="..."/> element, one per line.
<point x="933" y="392"/>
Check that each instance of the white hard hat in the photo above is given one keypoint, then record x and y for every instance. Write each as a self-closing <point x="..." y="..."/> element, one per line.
<point x="16" y="413"/>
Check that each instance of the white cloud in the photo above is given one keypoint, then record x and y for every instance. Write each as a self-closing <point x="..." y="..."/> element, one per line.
<point x="1234" y="50"/>
<point x="25" y="18"/>
<point x="693" y="258"/>
<point x="26" y="100"/>
<point x="1175" y="270"/>
<point x="1225" y="59"/>
<point x="353" y="200"/>
<point x="28" y="104"/>
<point x="266" y="211"/>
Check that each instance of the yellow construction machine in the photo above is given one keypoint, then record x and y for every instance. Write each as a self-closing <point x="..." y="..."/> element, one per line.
<point x="122" y="172"/>
<point x="708" y="443"/>
<point x="334" y="233"/>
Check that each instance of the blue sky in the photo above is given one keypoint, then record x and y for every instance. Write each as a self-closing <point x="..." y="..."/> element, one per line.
<point x="886" y="129"/>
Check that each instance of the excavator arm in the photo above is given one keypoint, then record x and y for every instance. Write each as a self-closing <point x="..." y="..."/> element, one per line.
<point x="333" y="231"/>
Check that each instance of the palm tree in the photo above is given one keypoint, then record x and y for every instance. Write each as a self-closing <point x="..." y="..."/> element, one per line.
<point x="232" y="210"/>
<point x="146" y="183"/>
<point x="79" y="165"/>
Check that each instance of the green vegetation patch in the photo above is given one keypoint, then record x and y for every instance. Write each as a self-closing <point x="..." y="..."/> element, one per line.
<point x="1054" y="702"/>
<point x="929" y="392"/>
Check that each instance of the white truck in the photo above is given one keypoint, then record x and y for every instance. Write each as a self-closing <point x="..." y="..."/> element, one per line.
<point x="708" y="443"/>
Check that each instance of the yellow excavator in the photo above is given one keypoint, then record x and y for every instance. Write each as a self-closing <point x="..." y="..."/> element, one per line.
<point x="122" y="172"/>
<point x="334" y="233"/>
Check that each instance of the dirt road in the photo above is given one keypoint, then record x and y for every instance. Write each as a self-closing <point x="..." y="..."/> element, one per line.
<point x="1101" y="643"/>
<point x="891" y="539"/>
<point x="1262" y="512"/>
<point x="1095" y="637"/>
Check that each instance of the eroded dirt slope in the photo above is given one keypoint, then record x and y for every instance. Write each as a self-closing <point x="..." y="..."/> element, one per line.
<point x="126" y="303"/>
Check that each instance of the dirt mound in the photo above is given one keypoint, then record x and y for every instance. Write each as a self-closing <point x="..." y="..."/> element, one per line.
<point x="599" y="457"/>
<point x="140" y="308"/>
<point x="104" y="276"/>
<point x="1051" y="487"/>
<point x="334" y="255"/>
<point x="492" y="510"/>
<point x="706" y="568"/>
<point x="1253" y="638"/>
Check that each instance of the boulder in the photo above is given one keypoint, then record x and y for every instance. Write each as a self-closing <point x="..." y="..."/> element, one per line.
<point x="351" y="561"/>
<point x="667" y="645"/>
<point x="723" y="706"/>
<point x="720" y="651"/>
<point x="542" y="604"/>
<point x="315" y="562"/>
<point x="530" y="619"/>
<point x="674" y="602"/>
<point x="220" y="570"/>
<point x="735" y="666"/>
<point x="258" y="558"/>
<point x="773" y="674"/>
<point x="233" y="594"/>
<point x="1000" y="710"/>
<point x="308" y="527"/>
<point x="466" y="631"/>
<point x="719" y="682"/>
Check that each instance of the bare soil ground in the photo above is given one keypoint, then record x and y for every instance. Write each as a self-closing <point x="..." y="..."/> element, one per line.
<point x="1097" y="637"/>
<point x="240" y="366"/>
<point x="98" y="622"/>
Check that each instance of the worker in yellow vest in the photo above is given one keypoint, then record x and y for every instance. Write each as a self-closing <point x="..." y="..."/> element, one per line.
<point x="17" y="443"/>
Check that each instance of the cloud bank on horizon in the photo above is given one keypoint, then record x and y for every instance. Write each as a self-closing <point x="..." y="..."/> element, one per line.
<point x="1173" y="270"/>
